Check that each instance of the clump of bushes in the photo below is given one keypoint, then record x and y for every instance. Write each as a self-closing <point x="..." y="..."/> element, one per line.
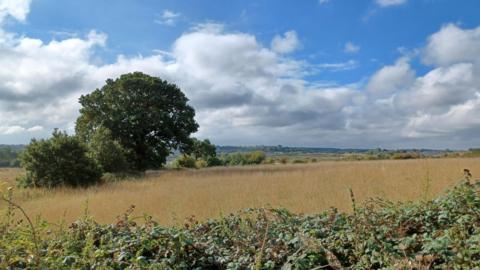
<point x="201" y="159"/>
<point x="443" y="233"/>
<point x="61" y="160"/>
<point x="240" y="158"/>
<point x="406" y="155"/>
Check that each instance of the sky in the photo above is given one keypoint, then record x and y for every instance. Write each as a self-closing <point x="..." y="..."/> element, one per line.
<point x="322" y="73"/>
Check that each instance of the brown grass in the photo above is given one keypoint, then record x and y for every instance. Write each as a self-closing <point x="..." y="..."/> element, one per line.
<point x="170" y="196"/>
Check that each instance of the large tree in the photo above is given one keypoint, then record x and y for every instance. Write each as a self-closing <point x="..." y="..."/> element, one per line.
<point x="148" y="116"/>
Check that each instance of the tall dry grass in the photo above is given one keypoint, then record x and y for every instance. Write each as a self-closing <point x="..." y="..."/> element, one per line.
<point x="170" y="196"/>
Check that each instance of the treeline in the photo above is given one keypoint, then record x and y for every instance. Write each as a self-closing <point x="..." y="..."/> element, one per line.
<point x="9" y="155"/>
<point x="204" y="154"/>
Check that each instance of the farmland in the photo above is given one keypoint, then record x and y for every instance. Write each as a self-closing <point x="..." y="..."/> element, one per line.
<point x="170" y="195"/>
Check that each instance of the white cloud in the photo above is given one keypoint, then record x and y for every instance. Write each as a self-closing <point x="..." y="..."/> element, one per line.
<point x="35" y="129"/>
<point x="341" y="66"/>
<point x="351" y="47"/>
<point x="285" y="44"/>
<point x="168" y="17"/>
<point x="391" y="79"/>
<point x="323" y="2"/>
<point x="453" y="45"/>
<point x="388" y="3"/>
<point x="18" y="9"/>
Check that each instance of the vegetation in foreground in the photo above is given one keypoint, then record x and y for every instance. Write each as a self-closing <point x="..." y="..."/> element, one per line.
<point x="443" y="233"/>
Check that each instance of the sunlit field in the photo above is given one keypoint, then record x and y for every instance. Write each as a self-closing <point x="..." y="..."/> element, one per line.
<point x="171" y="196"/>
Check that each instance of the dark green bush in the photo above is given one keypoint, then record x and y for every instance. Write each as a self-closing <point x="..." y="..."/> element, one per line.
<point x="60" y="160"/>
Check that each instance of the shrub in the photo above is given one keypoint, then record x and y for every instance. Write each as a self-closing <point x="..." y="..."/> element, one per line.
<point x="184" y="161"/>
<point x="200" y="163"/>
<point x="107" y="152"/>
<point x="60" y="160"/>
<point x="255" y="157"/>
<point x="269" y="160"/>
<point x="214" y="161"/>
<point x="407" y="155"/>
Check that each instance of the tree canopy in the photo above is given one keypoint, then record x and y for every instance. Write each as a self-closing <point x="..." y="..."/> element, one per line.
<point x="148" y="116"/>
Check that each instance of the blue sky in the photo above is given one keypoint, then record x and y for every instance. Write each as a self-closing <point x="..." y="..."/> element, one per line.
<point x="342" y="73"/>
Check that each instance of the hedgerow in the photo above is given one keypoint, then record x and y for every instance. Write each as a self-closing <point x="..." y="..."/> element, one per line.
<point x="443" y="233"/>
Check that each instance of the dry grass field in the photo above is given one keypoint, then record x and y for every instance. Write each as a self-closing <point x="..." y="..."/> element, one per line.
<point x="170" y="196"/>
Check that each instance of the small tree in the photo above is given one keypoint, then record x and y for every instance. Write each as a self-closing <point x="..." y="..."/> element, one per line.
<point x="107" y="152"/>
<point x="60" y="160"/>
<point x="206" y="151"/>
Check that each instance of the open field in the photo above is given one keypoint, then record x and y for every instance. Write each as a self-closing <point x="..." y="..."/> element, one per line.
<point x="170" y="196"/>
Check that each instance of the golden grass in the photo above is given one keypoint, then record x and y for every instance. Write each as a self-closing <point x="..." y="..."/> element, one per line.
<point x="170" y="196"/>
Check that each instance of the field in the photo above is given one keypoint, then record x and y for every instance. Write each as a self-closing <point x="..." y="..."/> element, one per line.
<point x="171" y="196"/>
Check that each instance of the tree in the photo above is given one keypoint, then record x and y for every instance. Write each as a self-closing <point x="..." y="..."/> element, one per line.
<point x="107" y="152"/>
<point x="60" y="160"/>
<point x="148" y="116"/>
<point x="203" y="149"/>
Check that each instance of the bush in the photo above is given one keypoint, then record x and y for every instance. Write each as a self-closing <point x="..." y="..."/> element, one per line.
<point x="200" y="163"/>
<point x="269" y="161"/>
<point x="248" y="158"/>
<point x="60" y="160"/>
<point x="214" y="161"/>
<point x="184" y="161"/>
<point x="255" y="157"/>
<point x="107" y="152"/>
<point x="407" y="155"/>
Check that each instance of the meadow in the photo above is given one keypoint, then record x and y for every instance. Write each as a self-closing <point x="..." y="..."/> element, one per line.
<point x="170" y="195"/>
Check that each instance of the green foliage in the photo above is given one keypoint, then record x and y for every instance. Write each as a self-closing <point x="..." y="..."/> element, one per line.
<point x="203" y="149"/>
<point x="9" y="157"/>
<point x="184" y="161"/>
<point x="248" y="158"/>
<point x="107" y="152"/>
<point x="443" y="233"/>
<point x="60" y="160"/>
<point x="148" y="116"/>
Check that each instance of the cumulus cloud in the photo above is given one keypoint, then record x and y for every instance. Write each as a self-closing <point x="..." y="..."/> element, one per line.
<point x="391" y="79"/>
<point x="285" y="44"/>
<point x="388" y="3"/>
<point x="18" y="9"/>
<point x="453" y="45"/>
